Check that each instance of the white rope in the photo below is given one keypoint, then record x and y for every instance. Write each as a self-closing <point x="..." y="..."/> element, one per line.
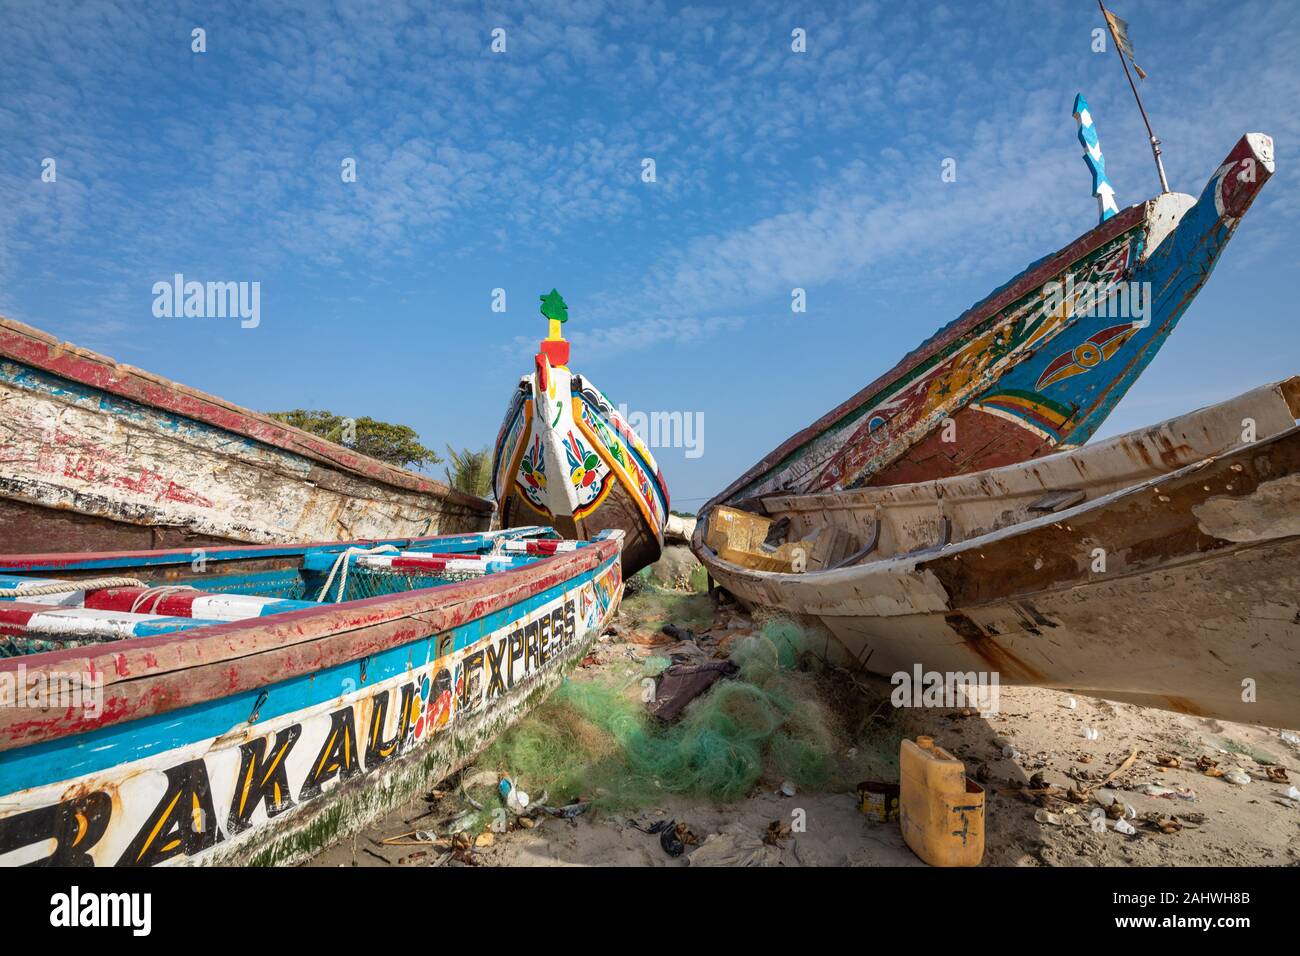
<point x="157" y="594"/>
<point x="499" y="545"/>
<point x="68" y="587"/>
<point x="343" y="560"/>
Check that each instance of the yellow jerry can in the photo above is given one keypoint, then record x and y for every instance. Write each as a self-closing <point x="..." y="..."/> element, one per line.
<point x="941" y="810"/>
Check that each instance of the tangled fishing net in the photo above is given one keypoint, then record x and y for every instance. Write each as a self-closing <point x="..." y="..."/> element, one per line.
<point x="596" y="740"/>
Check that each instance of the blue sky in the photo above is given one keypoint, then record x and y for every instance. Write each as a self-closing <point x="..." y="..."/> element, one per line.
<point x="522" y="171"/>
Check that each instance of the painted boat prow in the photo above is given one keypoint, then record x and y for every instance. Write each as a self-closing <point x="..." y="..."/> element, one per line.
<point x="564" y="456"/>
<point x="1028" y="369"/>
<point x="1180" y="264"/>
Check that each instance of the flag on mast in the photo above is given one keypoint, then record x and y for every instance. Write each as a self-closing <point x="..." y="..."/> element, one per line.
<point x="1124" y="50"/>
<point x="1119" y="29"/>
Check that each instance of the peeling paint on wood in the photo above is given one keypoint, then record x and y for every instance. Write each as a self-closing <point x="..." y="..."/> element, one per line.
<point x="1199" y="589"/>
<point x="96" y="455"/>
<point x="1266" y="513"/>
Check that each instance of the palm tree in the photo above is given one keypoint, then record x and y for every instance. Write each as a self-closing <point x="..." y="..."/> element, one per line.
<point x="470" y="471"/>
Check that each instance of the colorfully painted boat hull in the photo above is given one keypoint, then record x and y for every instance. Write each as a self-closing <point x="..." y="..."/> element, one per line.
<point x="1032" y="368"/>
<point x="565" y="457"/>
<point x="1161" y="567"/>
<point x="98" y="456"/>
<point x="265" y="739"/>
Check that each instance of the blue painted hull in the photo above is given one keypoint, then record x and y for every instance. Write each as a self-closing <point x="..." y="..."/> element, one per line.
<point x="324" y="735"/>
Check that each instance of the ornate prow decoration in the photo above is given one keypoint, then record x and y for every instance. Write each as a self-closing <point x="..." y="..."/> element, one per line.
<point x="565" y="457"/>
<point x="554" y="346"/>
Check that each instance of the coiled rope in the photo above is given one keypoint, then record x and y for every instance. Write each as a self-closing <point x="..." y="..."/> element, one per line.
<point x="69" y="587"/>
<point x="343" y="560"/>
<point x="152" y="596"/>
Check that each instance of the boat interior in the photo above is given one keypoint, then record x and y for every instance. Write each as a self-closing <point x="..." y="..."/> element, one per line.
<point x="826" y="531"/>
<point x="49" y="602"/>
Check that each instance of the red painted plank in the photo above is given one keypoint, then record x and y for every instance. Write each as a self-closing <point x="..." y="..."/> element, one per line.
<point x="175" y="604"/>
<point x="422" y="564"/>
<point x="15" y="615"/>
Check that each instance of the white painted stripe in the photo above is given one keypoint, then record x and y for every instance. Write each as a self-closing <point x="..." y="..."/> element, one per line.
<point x="481" y="567"/>
<point x="83" y="622"/>
<point x="1012" y="418"/>
<point x="229" y="607"/>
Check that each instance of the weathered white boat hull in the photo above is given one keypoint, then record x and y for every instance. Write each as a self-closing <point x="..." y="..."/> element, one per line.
<point x="1159" y="567"/>
<point x="1216" y="638"/>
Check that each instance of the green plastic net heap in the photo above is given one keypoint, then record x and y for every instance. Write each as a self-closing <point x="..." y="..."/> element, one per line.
<point x="595" y="740"/>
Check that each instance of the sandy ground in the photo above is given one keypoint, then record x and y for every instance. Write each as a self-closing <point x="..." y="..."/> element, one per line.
<point x="1043" y="775"/>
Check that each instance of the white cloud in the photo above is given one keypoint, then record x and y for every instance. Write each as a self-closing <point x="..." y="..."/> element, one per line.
<point x="775" y="169"/>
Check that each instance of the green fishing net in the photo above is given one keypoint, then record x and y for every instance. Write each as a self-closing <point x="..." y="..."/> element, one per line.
<point x="593" y="739"/>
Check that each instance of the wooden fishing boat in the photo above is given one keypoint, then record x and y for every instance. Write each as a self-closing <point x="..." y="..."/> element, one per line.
<point x="1161" y="567"/>
<point x="97" y="456"/>
<point x="565" y="457"/>
<point x="256" y="704"/>
<point x="1037" y="365"/>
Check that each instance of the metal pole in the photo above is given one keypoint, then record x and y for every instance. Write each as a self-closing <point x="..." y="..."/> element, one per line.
<point x="1155" y="143"/>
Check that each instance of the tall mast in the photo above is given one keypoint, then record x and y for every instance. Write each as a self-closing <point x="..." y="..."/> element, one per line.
<point x="1155" y="143"/>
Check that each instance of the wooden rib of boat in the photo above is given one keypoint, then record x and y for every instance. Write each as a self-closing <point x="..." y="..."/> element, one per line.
<point x="259" y="704"/>
<point x="97" y="456"/>
<point x="1161" y="567"/>
<point x="1037" y="365"/>
<point x="565" y="457"/>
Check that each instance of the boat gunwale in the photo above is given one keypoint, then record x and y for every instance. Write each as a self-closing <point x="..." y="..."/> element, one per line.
<point x="53" y="560"/>
<point x="161" y="673"/>
<point x="933" y="489"/>
<point x="917" y="561"/>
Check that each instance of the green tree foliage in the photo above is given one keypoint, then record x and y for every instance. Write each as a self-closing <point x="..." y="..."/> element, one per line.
<point x="396" y="444"/>
<point x="470" y="471"/>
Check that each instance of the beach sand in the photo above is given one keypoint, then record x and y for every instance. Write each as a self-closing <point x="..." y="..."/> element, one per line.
<point x="1029" y="756"/>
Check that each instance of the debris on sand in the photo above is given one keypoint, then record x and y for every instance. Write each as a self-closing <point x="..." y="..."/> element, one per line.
<point x="679" y="684"/>
<point x="717" y="778"/>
